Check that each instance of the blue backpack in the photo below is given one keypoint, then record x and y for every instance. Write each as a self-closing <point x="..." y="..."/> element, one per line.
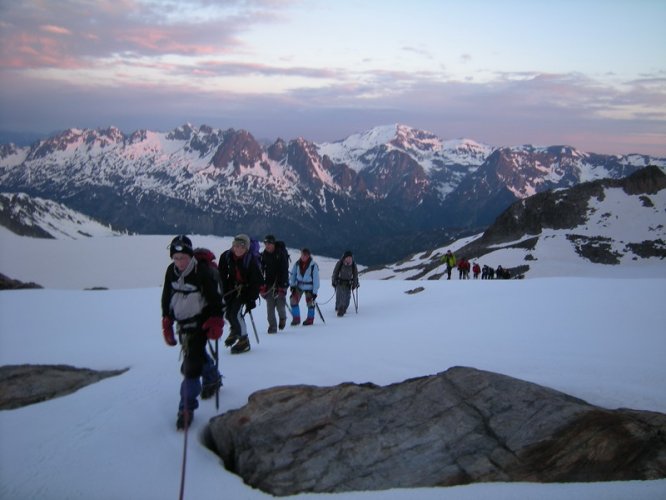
<point x="253" y="255"/>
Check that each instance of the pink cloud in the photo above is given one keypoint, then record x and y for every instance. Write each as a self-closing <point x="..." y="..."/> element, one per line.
<point x="30" y="51"/>
<point x="92" y="30"/>
<point x="163" y="40"/>
<point x="56" y="30"/>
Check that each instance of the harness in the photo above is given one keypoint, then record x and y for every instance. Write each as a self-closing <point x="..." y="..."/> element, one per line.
<point x="311" y="282"/>
<point x="186" y="330"/>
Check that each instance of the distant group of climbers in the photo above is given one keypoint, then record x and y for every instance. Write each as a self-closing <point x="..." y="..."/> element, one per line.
<point x="463" y="265"/>
<point x="198" y="293"/>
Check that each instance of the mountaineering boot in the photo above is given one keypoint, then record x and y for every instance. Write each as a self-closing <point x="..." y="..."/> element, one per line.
<point x="296" y="321"/>
<point x="231" y="340"/>
<point x="272" y="329"/>
<point x="210" y="388"/>
<point x="184" y="420"/>
<point x="283" y="322"/>
<point x="243" y="345"/>
<point x="341" y="312"/>
<point x="311" y="315"/>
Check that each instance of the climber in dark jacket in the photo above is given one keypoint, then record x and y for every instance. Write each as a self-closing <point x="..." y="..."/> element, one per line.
<point x="344" y="280"/>
<point x="191" y="298"/>
<point x="240" y="274"/>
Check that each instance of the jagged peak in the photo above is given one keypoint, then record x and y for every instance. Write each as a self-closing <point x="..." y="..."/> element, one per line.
<point x="73" y="134"/>
<point x="305" y="144"/>
<point x="407" y="136"/>
<point x="556" y="150"/>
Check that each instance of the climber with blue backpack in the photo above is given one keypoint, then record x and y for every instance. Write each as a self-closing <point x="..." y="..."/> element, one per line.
<point x="241" y="278"/>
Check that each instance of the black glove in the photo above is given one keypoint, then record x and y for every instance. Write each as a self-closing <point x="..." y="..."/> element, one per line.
<point x="314" y="296"/>
<point x="334" y="283"/>
<point x="250" y="304"/>
<point x="292" y="289"/>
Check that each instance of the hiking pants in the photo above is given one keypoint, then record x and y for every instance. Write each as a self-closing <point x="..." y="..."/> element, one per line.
<point x="275" y="300"/>
<point x="237" y="327"/>
<point x="296" y="298"/>
<point x="196" y="364"/>
<point x="342" y="296"/>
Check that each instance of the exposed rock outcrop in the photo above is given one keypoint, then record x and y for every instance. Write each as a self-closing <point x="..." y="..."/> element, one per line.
<point x="460" y="426"/>
<point x="22" y="385"/>
<point x="7" y="283"/>
<point x="564" y="209"/>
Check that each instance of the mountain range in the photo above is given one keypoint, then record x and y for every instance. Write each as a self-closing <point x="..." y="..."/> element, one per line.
<point x="599" y="228"/>
<point x="386" y="192"/>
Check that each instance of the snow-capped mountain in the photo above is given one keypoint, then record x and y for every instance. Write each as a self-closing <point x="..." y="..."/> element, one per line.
<point x="359" y="151"/>
<point x="597" y="228"/>
<point x="385" y="192"/>
<point x="40" y="218"/>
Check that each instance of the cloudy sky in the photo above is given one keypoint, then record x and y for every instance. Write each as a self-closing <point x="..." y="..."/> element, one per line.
<point x="587" y="73"/>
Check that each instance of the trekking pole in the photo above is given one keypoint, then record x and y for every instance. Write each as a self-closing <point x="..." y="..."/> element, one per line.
<point x="184" y="461"/>
<point x="215" y="354"/>
<point x="254" y="327"/>
<point x="217" y="368"/>
<point x="320" y="314"/>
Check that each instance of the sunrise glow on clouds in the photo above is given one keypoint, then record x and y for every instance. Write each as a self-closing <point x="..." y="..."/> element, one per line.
<point x="588" y="73"/>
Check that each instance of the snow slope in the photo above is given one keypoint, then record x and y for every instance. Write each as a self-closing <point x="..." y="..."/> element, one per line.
<point x="117" y="438"/>
<point x="128" y="261"/>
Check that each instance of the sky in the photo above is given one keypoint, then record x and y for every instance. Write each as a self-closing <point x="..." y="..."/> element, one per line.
<point x="585" y="73"/>
<point x="117" y="438"/>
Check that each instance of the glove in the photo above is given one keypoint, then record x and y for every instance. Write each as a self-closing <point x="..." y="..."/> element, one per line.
<point x="292" y="289"/>
<point x="314" y="296"/>
<point x="213" y="327"/>
<point x="167" y="331"/>
<point x="263" y="291"/>
<point x="250" y="304"/>
<point x="334" y="283"/>
<point x="282" y="292"/>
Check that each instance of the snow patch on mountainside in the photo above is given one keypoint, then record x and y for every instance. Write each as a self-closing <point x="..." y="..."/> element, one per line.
<point x="54" y="218"/>
<point x="627" y="218"/>
<point x="616" y="222"/>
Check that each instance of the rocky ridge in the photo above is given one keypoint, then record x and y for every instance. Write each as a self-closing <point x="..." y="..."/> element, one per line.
<point x="457" y="427"/>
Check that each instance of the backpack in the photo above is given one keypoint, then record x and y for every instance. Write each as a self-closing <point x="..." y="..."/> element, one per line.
<point x="253" y="255"/>
<point x="205" y="255"/>
<point x="281" y="249"/>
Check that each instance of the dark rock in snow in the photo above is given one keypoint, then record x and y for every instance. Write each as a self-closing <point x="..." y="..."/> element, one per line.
<point x="457" y="427"/>
<point x="7" y="283"/>
<point x="22" y="385"/>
